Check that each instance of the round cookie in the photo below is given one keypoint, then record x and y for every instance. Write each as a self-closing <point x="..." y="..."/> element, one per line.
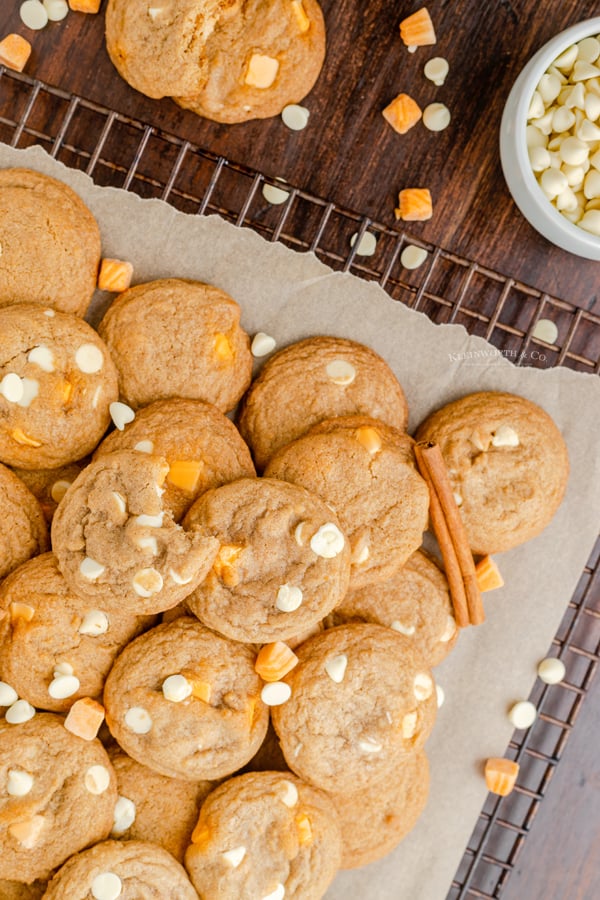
<point x="177" y="338"/>
<point x="264" y="834"/>
<point x="138" y="870"/>
<point x="507" y="462"/>
<point x="156" y="808"/>
<point x="282" y="566"/>
<point x="116" y="545"/>
<point x="50" y="243"/>
<point x="57" y="795"/>
<point x="54" y="646"/>
<point x="365" y="471"/>
<point x="186" y="702"/>
<point x="415" y="601"/>
<point x="362" y="701"/>
<point x="373" y="822"/>
<point x="202" y="446"/>
<point x="49" y="486"/>
<point x="57" y="382"/>
<point x="264" y="57"/>
<point x="23" y="531"/>
<point x="312" y="380"/>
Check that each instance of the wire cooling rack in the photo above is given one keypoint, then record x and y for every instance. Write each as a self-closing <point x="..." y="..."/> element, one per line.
<point x="123" y="152"/>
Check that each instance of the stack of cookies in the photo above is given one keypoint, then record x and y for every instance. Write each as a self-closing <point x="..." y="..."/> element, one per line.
<point x="217" y="683"/>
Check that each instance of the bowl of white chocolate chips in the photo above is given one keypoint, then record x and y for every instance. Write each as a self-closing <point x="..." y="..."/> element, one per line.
<point x="550" y="140"/>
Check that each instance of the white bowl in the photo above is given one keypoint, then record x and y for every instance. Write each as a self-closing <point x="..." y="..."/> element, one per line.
<point x="521" y="181"/>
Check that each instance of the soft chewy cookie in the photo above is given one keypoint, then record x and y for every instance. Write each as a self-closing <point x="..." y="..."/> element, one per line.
<point x="507" y="462"/>
<point x="202" y="446"/>
<point x="415" y="601"/>
<point x="23" y="531"/>
<point x="153" y="807"/>
<point x="50" y="243"/>
<point x="267" y="835"/>
<point x="130" y="870"/>
<point x="57" y="382"/>
<point x="186" y="702"/>
<point x="312" y="380"/>
<point x="57" y="795"/>
<point x="373" y="822"/>
<point x="364" y="470"/>
<point x="55" y="647"/>
<point x="362" y="701"/>
<point x="282" y="566"/>
<point x="117" y="546"/>
<point x="176" y="338"/>
<point x="49" y="486"/>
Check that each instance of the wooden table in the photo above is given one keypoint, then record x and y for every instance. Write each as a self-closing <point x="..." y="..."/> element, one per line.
<point x="350" y="156"/>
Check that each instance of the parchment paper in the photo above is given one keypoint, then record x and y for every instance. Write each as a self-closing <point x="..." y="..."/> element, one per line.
<point x="291" y="295"/>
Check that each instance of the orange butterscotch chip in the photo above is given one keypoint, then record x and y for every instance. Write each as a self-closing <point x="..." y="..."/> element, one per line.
<point x="369" y="438"/>
<point x="185" y="474"/>
<point x="115" y="275"/>
<point x="21" y="612"/>
<point x="501" y="775"/>
<point x="18" y="435"/>
<point x="250" y="710"/>
<point x="414" y="205"/>
<point x="224" y="564"/>
<point x="202" y="690"/>
<point x="14" y="52"/>
<point x="66" y="391"/>
<point x="402" y="113"/>
<point x="488" y="575"/>
<point x="85" y="6"/>
<point x="201" y="833"/>
<point x="304" y="830"/>
<point x="301" y="17"/>
<point x="274" y="661"/>
<point x="223" y="348"/>
<point x="27" y="832"/>
<point x="85" y="718"/>
<point x="417" y="30"/>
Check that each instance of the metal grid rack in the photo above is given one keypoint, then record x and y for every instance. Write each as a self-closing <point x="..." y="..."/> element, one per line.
<point x="122" y="152"/>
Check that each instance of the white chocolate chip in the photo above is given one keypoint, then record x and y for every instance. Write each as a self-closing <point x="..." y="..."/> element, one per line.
<point x="367" y="244"/>
<point x="91" y="569"/>
<point x="63" y="686"/>
<point x="148" y="544"/>
<point x="409" y="725"/>
<point x="147" y="582"/>
<point x="262" y="344"/>
<point x="56" y="9"/>
<point x="289" y="598"/>
<point x="120" y="502"/>
<point x="588" y="49"/>
<point x="96" y="397"/>
<point x="33" y="15"/>
<point x="360" y="553"/>
<point x="505" y="436"/>
<point x="335" y="667"/>
<point x="457" y="498"/>
<point x="567" y="58"/>
<point x="89" y="359"/>
<point x="551" y="670"/>
<point x="94" y="622"/>
<point x="144" y="447"/>
<point x="436" y="70"/>
<point x="412" y="257"/>
<point x="408" y="630"/>
<point x="262" y="71"/>
<point x="328" y="541"/>
<point x="274" y="195"/>
<point x="176" y="688"/>
<point x="63" y="668"/>
<point x="545" y="330"/>
<point x="106" y="886"/>
<point x="138" y="720"/>
<point x="31" y="388"/>
<point x="18" y="783"/>
<point x="124" y="815"/>
<point x="11" y="387"/>
<point x="590" y="221"/>
<point x="553" y="183"/>
<point x="436" y="117"/>
<point x="449" y="631"/>
<point x="522" y="714"/>
<point x="59" y="489"/>
<point x="440" y="695"/>
<point x="121" y="414"/>
<point x="536" y="106"/>
<point x="412" y="48"/>
<point x="369" y="745"/>
<point x="8" y="695"/>
<point x="298" y="533"/>
<point x="289" y="795"/>
<point x="341" y="372"/>
<point x="277" y="894"/>
<point x="50" y="313"/>
<point x="234" y="857"/>
<point x="42" y="357"/>
<point x="295" y="117"/>
<point x="19" y="712"/>
<point x="422" y="686"/>
<point x="539" y="159"/>
<point x="179" y="579"/>
<point x="97" y="779"/>
<point x="150" y="521"/>
<point x="275" y="693"/>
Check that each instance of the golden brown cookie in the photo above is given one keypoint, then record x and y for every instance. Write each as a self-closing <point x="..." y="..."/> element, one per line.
<point x="362" y="701"/>
<point x="282" y="565"/>
<point x="57" y="382"/>
<point x="312" y="380"/>
<point x="365" y="471"/>
<point x="58" y="794"/>
<point x="54" y="646"/>
<point x="186" y="702"/>
<point x="131" y="870"/>
<point x="49" y="486"/>
<point x="177" y="338"/>
<point x="50" y="243"/>
<point x="267" y="835"/>
<point x="23" y="531"/>
<point x="115" y="543"/>
<point x="507" y="462"/>
<point x="202" y="446"/>
<point x="415" y="601"/>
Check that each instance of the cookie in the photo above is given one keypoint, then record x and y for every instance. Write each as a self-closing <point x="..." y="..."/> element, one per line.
<point x="264" y="57"/>
<point x="23" y="531"/>
<point x="373" y="822"/>
<point x="57" y="382"/>
<point x="508" y="465"/>
<point x="177" y="338"/>
<point x="116" y="545"/>
<point x="312" y="380"/>
<point x="186" y="702"/>
<point x="57" y="795"/>
<point x="202" y="446"/>
<point x="49" y="486"/>
<point x="282" y="566"/>
<point x="365" y="471"/>
<point x="156" y="808"/>
<point x="264" y="834"/>
<point x="415" y="601"/>
<point x="50" y="243"/>
<point x="131" y="870"/>
<point x="54" y="646"/>
<point x="362" y="701"/>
